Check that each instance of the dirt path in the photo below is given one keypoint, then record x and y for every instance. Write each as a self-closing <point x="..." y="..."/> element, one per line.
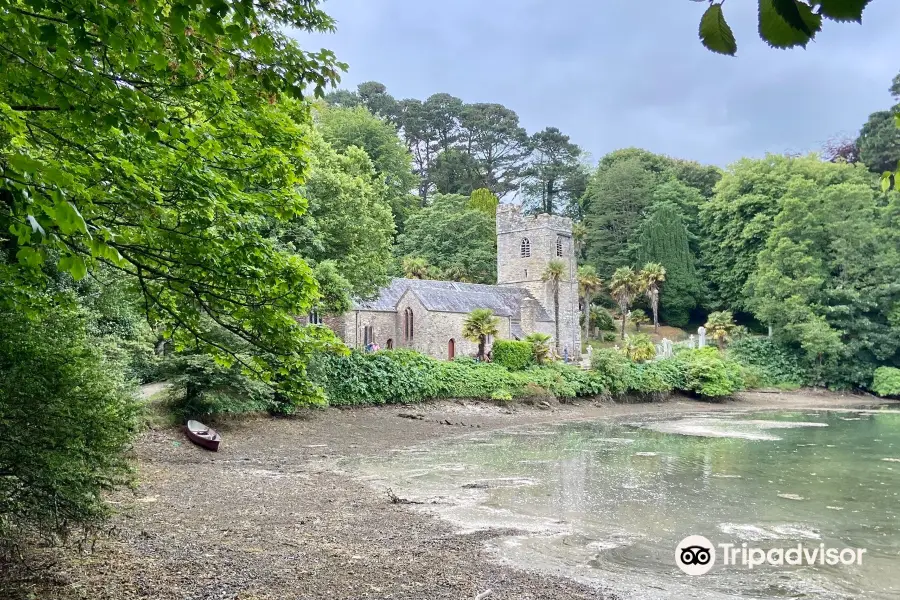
<point x="270" y="515"/>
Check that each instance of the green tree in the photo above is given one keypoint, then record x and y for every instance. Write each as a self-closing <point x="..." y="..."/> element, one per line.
<point x="588" y="284"/>
<point x="165" y="153"/>
<point x="652" y="276"/>
<point x="478" y="326"/>
<point x="553" y="275"/>
<point x="737" y="221"/>
<point x="663" y="239"/>
<point x="624" y="287"/>
<point x="482" y="199"/>
<point x="492" y="135"/>
<point x="719" y="325"/>
<point x="826" y="280"/>
<point x="616" y="198"/>
<point x="345" y="127"/>
<point x="348" y="220"/>
<point x="782" y="23"/>
<point x="554" y="179"/>
<point x="879" y="141"/>
<point x="447" y="233"/>
<point x="415" y="267"/>
<point x="68" y="417"/>
<point x="638" y="318"/>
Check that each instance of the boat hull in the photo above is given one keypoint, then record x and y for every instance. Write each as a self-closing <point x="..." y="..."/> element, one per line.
<point x="203" y="436"/>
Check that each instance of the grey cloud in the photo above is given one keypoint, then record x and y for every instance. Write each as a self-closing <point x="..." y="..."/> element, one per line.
<point x="627" y="73"/>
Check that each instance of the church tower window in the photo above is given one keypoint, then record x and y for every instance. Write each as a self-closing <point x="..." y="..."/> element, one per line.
<point x="526" y="248"/>
<point x="559" y="246"/>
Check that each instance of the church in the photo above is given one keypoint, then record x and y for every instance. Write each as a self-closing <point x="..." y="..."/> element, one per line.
<point x="428" y="316"/>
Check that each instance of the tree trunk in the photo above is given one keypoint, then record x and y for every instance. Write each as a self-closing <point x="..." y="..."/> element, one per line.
<point x="481" y="343"/>
<point x="587" y="317"/>
<point x="655" y="303"/>
<point x="624" y="318"/>
<point x="556" y="313"/>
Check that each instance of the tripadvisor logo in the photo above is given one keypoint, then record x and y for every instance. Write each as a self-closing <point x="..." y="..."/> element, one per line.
<point x="696" y="555"/>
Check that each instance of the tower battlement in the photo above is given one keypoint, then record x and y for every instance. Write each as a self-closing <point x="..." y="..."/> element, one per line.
<point x="511" y="219"/>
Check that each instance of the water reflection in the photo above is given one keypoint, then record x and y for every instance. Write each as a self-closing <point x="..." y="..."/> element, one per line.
<point x="609" y="502"/>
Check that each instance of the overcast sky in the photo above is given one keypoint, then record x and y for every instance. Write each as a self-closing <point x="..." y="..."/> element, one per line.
<point x="619" y="73"/>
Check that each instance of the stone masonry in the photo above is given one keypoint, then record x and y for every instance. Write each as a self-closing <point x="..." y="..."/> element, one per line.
<point x="428" y="316"/>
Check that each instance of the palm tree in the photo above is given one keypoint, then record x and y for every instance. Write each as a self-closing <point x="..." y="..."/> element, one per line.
<point x="579" y="234"/>
<point x="624" y="287"/>
<point x="480" y="324"/>
<point x="719" y="326"/>
<point x="415" y="267"/>
<point x="638" y="318"/>
<point x="553" y="274"/>
<point x="540" y="348"/>
<point x="588" y="284"/>
<point x="651" y="276"/>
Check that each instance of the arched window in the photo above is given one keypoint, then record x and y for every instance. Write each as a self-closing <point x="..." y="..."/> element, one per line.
<point x="451" y="349"/>
<point x="390" y="344"/>
<point x="526" y="248"/>
<point x="368" y="335"/>
<point x="559" y="246"/>
<point x="314" y="318"/>
<point x="408" y="328"/>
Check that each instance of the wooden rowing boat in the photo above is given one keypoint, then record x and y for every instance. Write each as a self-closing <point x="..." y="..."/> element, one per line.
<point x="202" y="435"/>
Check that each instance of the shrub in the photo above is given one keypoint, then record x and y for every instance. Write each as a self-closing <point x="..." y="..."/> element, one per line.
<point x="708" y="373"/>
<point x="390" y="376"/>
<point x="770" y="363"/>
<point x="657" y="377"/>
<point x="609" y="336"/>
<point x="601" y="319"/>
<point x="67" y="417"/>
<point x="639" y="347"/>
<point x="513" y="355"/>
<point x="612" y="370"/>
<point x="886" y="382"/>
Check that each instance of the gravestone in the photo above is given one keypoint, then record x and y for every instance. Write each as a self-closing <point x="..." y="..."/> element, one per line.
<point x="702" y="333"/>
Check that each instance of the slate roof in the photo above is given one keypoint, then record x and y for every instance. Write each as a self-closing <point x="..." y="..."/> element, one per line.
<point x="451" y="296"/>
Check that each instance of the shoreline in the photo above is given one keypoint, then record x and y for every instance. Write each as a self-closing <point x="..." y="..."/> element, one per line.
<point x="274" y="514"/>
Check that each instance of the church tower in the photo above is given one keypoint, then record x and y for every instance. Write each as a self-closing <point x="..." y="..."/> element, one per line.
<point x="525" y="247"/>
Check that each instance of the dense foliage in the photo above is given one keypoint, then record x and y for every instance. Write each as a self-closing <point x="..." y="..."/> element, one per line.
<point x="886" y="382"/>
<point x="512" y="354"/>
<point x="459" y="241"/>
<point x="772" y="363"/>
<point x="67" y="414"/>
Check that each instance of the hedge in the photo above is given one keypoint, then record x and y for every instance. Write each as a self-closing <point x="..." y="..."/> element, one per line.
<point x="513" y="355"/>
<point x="404" y="376"/>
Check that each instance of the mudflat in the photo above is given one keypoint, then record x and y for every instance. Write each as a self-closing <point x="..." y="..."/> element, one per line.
<point x="275" y="513"/>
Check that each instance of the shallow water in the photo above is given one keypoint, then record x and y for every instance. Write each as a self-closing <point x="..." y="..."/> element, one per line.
<point x="608" y="502"/>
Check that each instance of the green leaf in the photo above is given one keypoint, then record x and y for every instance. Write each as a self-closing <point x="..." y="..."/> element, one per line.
<point x="887" y="180"/>
<point x="790" y="12"/>
<point x="778" y="33"/>
<point x="715" y="32"/>
<point x="68" y="219"/>
<point x="24" y="164"/>
<point x="30" y="256"/>
<point x="843" y="10"/>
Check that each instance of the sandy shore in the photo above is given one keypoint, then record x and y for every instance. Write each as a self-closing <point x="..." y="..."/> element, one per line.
<point x="273" y="516"/>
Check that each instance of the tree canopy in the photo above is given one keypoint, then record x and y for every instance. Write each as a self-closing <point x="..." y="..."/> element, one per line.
<point x="458" y="240"/>
<point x="161" y="140"/>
